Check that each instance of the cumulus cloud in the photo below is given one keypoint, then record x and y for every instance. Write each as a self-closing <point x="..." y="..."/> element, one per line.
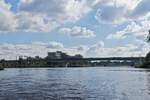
<point x="116" y="36"/>
<point x="44" y="16"/>
<point x="138" y="30"/>
<point x="55" y="45"/>
<point x="119" y="11"/>
<point x="34" y="23"/>
<point x="78" y="31"/>
<point x="92" y="49"/>
<point x="23" y="21"/>
<point x="141" y="9"/>
<point x="7" y="18"/>
<point x="115" y="11"/>
<point x="13" y="51"/>
<point x="41" y="16"/>
<point x="128" y="50"/>
<point x="111" y="14"/>
<point x="60" y="10"/>
<point x="51" y="44"/>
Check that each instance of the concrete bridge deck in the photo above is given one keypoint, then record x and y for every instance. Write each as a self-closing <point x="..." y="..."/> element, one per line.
<point x="106" y="58"/>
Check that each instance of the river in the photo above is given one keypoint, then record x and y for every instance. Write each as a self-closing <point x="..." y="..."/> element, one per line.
<point x="97" y="83"/>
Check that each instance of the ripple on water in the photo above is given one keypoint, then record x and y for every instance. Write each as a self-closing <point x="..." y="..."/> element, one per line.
<point x="75" y="84"/>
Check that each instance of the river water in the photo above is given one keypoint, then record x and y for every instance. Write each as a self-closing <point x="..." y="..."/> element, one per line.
<point x="98" y="83"/>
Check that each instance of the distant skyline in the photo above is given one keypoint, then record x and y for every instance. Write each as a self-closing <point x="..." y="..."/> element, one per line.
<point x="93" y="28"/>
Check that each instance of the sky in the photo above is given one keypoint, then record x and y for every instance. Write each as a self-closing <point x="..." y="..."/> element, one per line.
<point x="93" y="28"/>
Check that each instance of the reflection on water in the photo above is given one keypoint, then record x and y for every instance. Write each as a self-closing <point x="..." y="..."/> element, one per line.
<point x="111" y="83"/>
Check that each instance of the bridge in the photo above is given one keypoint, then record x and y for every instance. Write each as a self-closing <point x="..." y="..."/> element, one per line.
<point x="105" y="61"/>
<point x="102" y="59"/>
<point x="107" y="58"/>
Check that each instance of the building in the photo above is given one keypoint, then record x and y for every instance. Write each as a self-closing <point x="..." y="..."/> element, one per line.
<point x="51" y="55"/>
<point x="57" y="55"/>
<point x="61" y="55"/>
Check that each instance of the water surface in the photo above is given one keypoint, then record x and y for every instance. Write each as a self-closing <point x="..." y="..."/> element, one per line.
<point x="98" y="83"/>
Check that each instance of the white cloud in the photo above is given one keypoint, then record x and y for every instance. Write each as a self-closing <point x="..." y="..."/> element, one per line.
<point x="44" y="16"/>
<point x="55" y="45"/>
<point x="115" y="11"/>
<point x="7" y="18"/>
<point x="128" y="4"/>
<point x="111" y="14"/>
<point x="119" y="11"/>
<point x="138" y="30"/>
<point x="142" y="9"/>
<point x="116" y="36"/>
<point x="128" y="50"/>
<point x="78" y="31"/>
<point x="22" y="21"/>
<point x="99" y="44"/>
<point x="51" y="44"/>
<point x="75" y="9"/>
<point x="41" y="16"/>
<point x="11" y="51"/>
<point x="35" y="23"/>
<point x="60" y="10"/>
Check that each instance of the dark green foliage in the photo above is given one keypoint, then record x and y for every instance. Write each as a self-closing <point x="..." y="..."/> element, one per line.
<point x="147" y="59"/>
<point x="148" y="37"/>
<point x="146" y="63"/>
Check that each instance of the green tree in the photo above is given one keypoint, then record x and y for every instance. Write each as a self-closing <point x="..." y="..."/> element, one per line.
<point x="147" y="58"/>
<point x="148" y="37"/>
<point x="148" y="55"/>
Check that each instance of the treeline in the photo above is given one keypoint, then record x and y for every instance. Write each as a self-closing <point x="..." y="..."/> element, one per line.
<point x="35" y="63"/>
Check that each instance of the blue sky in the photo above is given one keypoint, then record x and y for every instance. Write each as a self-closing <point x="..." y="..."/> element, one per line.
<point x="96" y="28"/>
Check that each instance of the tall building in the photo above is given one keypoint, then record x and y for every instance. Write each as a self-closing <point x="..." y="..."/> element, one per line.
<point x="56" y="55"/>
<point x="61" y="55"/>
<point x="51" y="55"/>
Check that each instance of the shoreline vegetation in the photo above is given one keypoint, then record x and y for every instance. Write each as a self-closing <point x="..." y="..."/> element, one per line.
<point x="1" y="68"/>
<point x="146" y="63"/>
<point x="54" y="59"/>
<point x="60" y="59"/>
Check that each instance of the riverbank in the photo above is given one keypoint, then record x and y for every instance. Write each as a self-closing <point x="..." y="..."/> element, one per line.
<point x="71" y="62"/>
<point x="1" y="68"/>
<point x="144" y="65"/>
